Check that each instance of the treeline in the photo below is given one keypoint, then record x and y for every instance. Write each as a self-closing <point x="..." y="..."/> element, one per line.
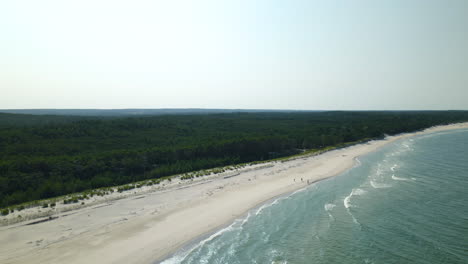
<point x="51" y="156"/>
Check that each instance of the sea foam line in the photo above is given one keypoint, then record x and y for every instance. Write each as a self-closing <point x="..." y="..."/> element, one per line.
<point x="178" y="258"/>
<point x="357" y="163"/>
<point x="399" y="179"/>
<point x="298" y="191"/>
<point x="259" y="210"/>
<point x="184" y="254"/>
<point x="347" y="202"/>
<point x="276" y="201"/>
<point x="328" y="207"/>
<point x="376" y="185"/>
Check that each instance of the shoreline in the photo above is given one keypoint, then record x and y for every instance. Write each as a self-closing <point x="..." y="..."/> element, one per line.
<point x="190" y="245"/>
<point x="150" y="226"/>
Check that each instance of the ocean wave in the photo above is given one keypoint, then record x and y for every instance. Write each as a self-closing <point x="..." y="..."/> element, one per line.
<point x="347" y="202"/>
<point x="237" y="224"/>
<point x="347" y="199"/>
<point x="357" y="163"/>
<point x="329" y="207"/>
<point x="399" y="179"/>
<point x="181" y="256"/>
<point x="378" y="172"/>
<point x="404" y="147"/>
<point x="246" y="219"/>
<point x="394" y="167"/>
<point x="358" y="191"/>
<point x="276" y="201"/>
<point x="407" y="145"/>
<point x="298" y="191"/>
<point x="276" y="256"/>
<point x="376" y="185"/>
<point x="260" y="209"/>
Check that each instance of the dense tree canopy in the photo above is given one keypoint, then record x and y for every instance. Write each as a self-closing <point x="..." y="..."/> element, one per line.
<point x="47" y="156"/>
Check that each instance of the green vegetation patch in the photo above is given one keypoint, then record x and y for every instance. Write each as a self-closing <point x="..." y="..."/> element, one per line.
<point x="44" y="156"/>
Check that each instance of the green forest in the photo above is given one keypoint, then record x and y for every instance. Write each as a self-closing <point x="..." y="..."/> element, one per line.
<point x="47" y="156"/>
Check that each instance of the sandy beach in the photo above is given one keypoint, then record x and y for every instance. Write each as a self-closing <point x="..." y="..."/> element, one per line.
<point x="148" y="224"/>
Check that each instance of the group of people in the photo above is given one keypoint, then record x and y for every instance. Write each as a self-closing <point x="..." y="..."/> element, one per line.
<point x="302" y="180"/>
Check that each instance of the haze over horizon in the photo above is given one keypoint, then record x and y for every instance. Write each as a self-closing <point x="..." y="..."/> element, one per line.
<point x="304" y="55"/>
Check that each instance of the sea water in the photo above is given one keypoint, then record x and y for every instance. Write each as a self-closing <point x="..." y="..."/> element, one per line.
<point x="405" y="203"/>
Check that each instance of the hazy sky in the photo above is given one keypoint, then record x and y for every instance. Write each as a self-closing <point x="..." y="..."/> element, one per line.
<point x="395" y="54"/>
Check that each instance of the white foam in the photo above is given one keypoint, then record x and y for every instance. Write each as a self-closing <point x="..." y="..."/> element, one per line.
<point x="276" y="201"/>
<point x="275" y="254"/>
<point x="298" y="191"/>
<point x="378" y="172"/>
<point x="399" y="179"/>
<point x="183" y="255"/>
<point x="407" y="146"/>
<point x="379" y="185"/>
<point x="329" y="207"/>
<point x="347" y="199"/>
<point x="394" y="167"/>
<point x="358" y="191"/>
<point x="346" y="202"/>
<point x="259" y="210"/>
<point x="246" y="219"/>
<point x="174" y="260"/>
<point x="358" y="162"/>
<point x="354" y="219"/>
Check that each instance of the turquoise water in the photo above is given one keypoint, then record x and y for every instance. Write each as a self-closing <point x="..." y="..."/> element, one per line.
<point x="406" y="203"/>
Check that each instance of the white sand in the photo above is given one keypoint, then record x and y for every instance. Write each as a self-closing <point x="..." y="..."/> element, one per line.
<point x="148" y="226"/>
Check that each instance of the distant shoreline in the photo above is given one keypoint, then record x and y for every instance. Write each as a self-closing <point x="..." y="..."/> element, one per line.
<point x="128" y="112"/>
<point x="150" y="226"/>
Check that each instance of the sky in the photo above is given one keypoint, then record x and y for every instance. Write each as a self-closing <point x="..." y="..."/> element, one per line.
<point x="266" y="54"/>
